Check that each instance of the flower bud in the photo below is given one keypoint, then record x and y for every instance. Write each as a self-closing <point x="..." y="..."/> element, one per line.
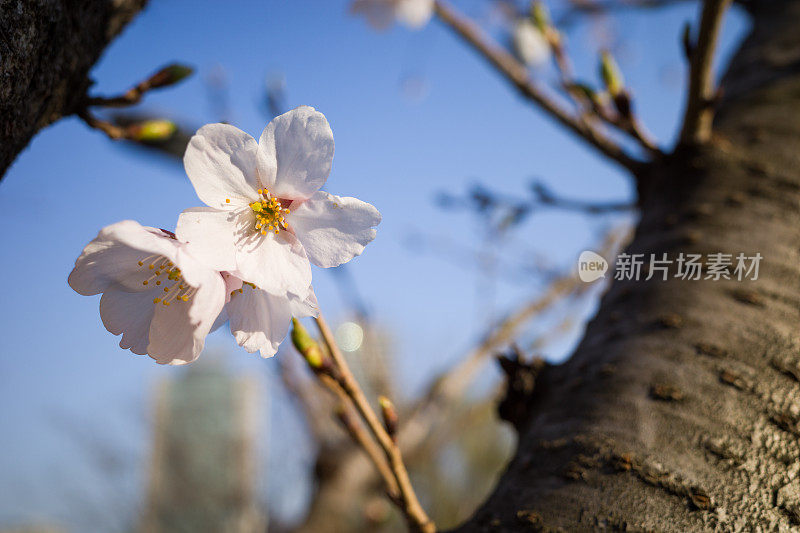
<point x="540" y="16"/>
<point x="307" y="346"/>
<point x="609" y="71"/>
<point x="152" y="130"/>
<point x="389" y="413"/>
<point x="169" y="75"/>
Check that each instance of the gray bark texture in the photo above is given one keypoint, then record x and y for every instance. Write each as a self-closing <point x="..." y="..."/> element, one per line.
<point x="680" y="409"/>
<point x="47" y="48"/>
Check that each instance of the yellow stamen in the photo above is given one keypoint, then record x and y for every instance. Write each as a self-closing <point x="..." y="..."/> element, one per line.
<point x="161" y="265"/>
<point x="270" y="214"/>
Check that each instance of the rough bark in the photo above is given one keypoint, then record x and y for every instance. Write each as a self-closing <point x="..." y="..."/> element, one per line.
<point x="680" y="409"/>
<point x="47" y="48"/>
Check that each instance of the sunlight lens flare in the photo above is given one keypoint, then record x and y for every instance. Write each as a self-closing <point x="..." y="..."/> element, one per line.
<point x="349" y="336"/>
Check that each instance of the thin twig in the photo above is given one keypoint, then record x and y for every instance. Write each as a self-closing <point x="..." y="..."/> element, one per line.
<point x="413" y="510"/>
<point x="517" y="74"/>
<point x="166" y="76"/>
<point x="696" y="128"/>
<point x="546" y="197"/>
<point x="358" y="433"/>
<point x="113" y="132"/>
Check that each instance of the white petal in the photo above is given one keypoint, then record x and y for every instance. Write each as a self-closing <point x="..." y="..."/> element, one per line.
<point x="333" y="229"/>
<point x="414" y="13"/>
<point x="275" y="263"/>
<point x="112" y="258"/>
<point x="299" y="144"/>
<point x="221" y="162"/>
<point x="129" y="314"/>
<point x="259" y="320"/>
<point x="210" y="235"/>
<point x="303" y="307"/>
<point x="178" y="331"/>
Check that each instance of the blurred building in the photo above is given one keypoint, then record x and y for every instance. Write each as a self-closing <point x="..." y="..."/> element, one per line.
<point x="203" y="467"/>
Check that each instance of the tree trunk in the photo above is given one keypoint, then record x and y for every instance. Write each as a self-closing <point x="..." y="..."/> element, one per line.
<point x="46" y="50"/>
<point x="680" y="409"/>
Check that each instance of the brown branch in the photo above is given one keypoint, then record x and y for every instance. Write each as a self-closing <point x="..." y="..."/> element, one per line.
<point x="164" y="77"/>
<point x="696" y="128"/>
<point x="517" y="75"/>
<point x="413" y="510"/>
<point x="360" y="436"/>
<point x="113" y="132"/>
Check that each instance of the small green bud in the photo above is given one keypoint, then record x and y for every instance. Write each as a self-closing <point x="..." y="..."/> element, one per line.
<point x="169" y="75"/>
<point x="307" y="346"/>
<point x="609" y="71"/>
<point x="152" y="130"/>
<point x="540" y="16"/>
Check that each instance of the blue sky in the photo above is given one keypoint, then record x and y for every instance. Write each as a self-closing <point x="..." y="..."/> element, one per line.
<point x="56" y="360"/>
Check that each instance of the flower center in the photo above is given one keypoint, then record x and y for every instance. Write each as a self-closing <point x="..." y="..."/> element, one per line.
<point x="269" y="213"/>
<point x="164" y="272"/>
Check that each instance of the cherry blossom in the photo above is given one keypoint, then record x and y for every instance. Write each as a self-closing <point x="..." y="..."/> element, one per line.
<point x="156" y="295"/>
<point x="266" y="217"/>
<point x="259" y="321"/>
<point x="381" y="14"/>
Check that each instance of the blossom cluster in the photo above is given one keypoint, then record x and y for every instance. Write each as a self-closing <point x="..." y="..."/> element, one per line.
<point x="245" y="258"/>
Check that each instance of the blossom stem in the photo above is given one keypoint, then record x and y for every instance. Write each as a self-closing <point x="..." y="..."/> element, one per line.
<point x="415" y="515"/>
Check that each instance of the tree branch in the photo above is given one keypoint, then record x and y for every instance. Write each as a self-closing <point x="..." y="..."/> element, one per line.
<point x="517" y="75"/>
<point x="696" y="128"/>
